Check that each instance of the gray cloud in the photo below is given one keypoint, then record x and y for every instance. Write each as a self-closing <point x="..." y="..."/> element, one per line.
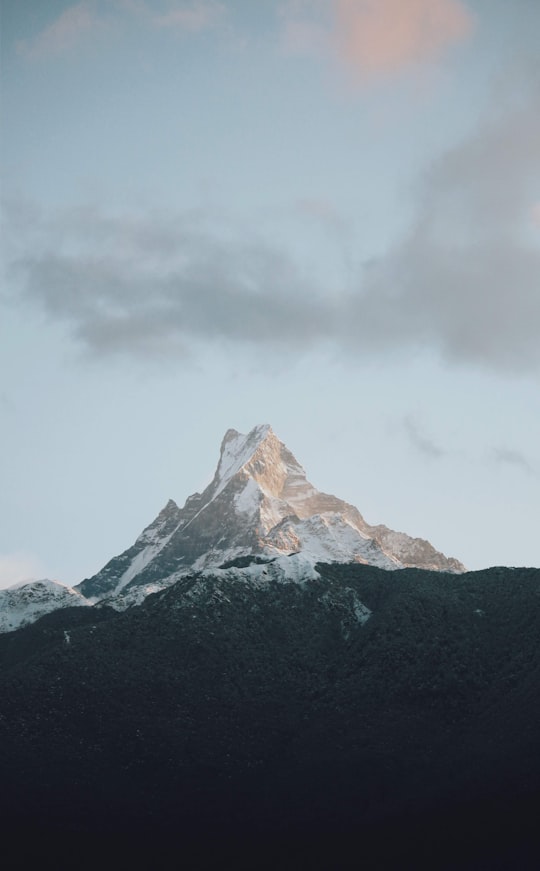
<point x="509" y="457"/>
<point x="465" y="282"/>
<point x="420" y="441"/>
<point x="152" y="286"/>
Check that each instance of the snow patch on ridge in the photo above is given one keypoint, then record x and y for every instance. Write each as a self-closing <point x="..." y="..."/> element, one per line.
<point x="143" y="558"/>
<point x="236" y="451"/>
<point x="23" y="603"/>
<point x="135" y="595"/>
<point x="295" y="568"/>
<point x="249" y="499"/>
<point x="332" y="538"/>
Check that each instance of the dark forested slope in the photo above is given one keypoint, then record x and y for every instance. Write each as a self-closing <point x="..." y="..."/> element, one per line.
<point x="389" y="713"/>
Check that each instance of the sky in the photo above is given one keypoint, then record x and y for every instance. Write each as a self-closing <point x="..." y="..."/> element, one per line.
<point x="318" y="214"/>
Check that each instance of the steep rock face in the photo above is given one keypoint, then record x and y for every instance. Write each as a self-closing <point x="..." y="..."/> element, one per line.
<point x="119" y="571"/>
<point x="259" y="502"/>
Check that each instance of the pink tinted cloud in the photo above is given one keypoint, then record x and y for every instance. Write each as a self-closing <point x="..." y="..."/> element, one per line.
<point x="63" y="34"/>
<point x="375" y="37"/>
<point x="384" y="36"/>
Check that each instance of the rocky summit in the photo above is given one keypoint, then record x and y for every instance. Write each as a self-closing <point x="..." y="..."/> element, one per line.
<point x="259" y="503"/>
<point x="286" y="698"/>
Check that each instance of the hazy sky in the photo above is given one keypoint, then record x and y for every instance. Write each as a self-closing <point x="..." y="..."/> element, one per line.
<point x="320" y="214"/>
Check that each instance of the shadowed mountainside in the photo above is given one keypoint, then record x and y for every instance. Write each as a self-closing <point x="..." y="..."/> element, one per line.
<point x="360" y="710"/>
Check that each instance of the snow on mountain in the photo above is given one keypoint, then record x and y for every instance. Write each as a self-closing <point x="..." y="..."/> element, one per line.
<point x="293" y="569"/>
<point x="330" y="538"/>
<point x="259" y="502"/>
<point x="214" y="586"/>
<point x="23" y="603"/>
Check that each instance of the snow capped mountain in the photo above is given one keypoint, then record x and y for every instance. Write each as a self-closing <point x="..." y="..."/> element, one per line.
<point x="259" y="503"/>
<point x="25" y="602"/>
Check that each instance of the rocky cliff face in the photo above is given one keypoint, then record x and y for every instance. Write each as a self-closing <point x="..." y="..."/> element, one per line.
<point x="259" y="503"/>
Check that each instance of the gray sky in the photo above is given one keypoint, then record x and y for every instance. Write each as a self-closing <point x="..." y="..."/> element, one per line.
<point x="321" y="214"/>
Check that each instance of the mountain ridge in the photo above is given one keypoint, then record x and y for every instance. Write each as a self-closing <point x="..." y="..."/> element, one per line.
<point x="27" y="601"/>
<point x="349" y="713"/>
<point x="259" y="502"/>
<point x="258" y="505"/>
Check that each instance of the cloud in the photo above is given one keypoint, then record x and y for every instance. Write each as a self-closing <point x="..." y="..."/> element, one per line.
<point x="375" y="38"/>
<point x="153" y="286"/>
<point x="420" y="441"/>
<point x="195" y="16"/>
<point x="64" y="34"/>
<point x="389" y="35"/>
<point x="463" y="282"/>
<point x="465" y="279"/>
<point x="509" y="457"/>
<point x="17" y="567"/>
<point x="83" y="20"/>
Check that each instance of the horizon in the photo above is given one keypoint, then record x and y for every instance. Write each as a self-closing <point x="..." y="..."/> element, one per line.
<point x="313" y="212"/>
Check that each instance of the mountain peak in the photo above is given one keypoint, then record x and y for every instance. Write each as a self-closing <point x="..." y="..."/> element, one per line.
<point x="236" y="450"/>
<point x="26" y="601"/>
<point x="259" y="503"/>
<point x="261" y="457"/>
<point x="258" y="433"/>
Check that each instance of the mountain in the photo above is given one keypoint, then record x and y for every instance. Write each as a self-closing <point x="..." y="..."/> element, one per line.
<point x="25" y="602"/>
<point x="259" y="503"/>
<point x="273" y="715"/>
<point x="266" y="708"/>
